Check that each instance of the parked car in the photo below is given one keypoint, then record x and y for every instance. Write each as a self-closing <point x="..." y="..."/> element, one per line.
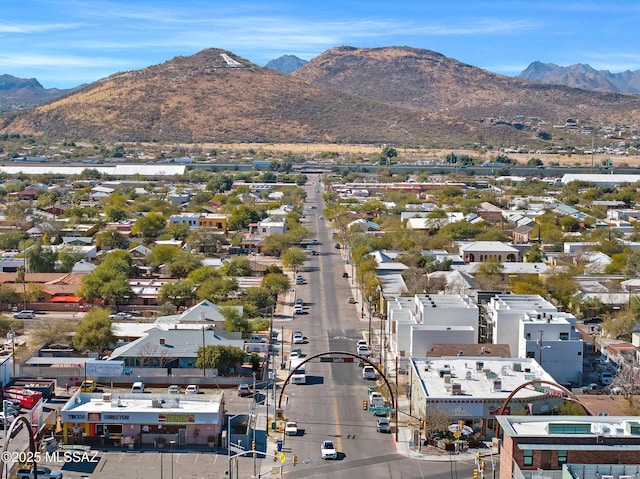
<point x="383" y="425"/>
<point x="314" y="252"/>
<point x="121" y="315"/>
<point x="244" y="390"/>
<point x="192" y="389"/>
<point x="173" y="389"/>
<point x="88" y="386"/>
<point x="25" y="314"/>
<point x="297" y="309"/>
<point x="345" y="275"/>
<point x="337" y="246"/>
<point x="606" y="377"/>
<point x="291" y="428"/>
<point x="299" y="302"/>
<point x="351" y="300"/>
<point x="298" y="338"/>
<point x="295" y="354"/>
<point x="299" y="280"/>
<point x="328" y="450"/>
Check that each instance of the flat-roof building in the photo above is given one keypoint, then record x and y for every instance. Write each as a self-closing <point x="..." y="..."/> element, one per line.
<point x="134" y="420"/>
<point x="474" y="388"/>
<point x="580" y="447"/>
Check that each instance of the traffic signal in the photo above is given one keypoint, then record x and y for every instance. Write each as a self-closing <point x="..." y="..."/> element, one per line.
<point x="295" y="460"/>
<point x="253" y="445"/>
<point x="275" y="455"/>
<point x="484" y="465"/>
<point x="365" y="405"/>
<point x="479" y="456"/>
<point x="475" y="474"/>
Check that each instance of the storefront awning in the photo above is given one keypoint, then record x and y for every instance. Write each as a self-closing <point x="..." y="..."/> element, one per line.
<point x="66" y="299"/>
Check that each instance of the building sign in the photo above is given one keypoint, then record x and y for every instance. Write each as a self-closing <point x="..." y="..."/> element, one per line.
<point x="176" y="418"/>
<point x="115" y="417"/>
<point x="95" y="417"/>
<point x="77" y="417"/>
<point x="496" y="411"/>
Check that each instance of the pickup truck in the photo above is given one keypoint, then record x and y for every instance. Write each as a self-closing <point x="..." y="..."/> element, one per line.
<point x="43" y="472"/>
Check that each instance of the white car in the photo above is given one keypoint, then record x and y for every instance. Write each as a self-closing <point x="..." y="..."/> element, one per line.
<point x="298" y="338"/>
<point x="328" y="450"/>
<point x="294" y="354"/>
<point x="173" y="389"/>
<point x="192" y="389"/>
<point x="368" y="372"/>
<point x="291" y="428"/>
<point x="364" y="351"/>
<point x="121" y="315"/>
<point x="297" y="309"/>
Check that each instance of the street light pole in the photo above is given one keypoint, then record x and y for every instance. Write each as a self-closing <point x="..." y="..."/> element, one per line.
<point x="369" y="330"/>
<point x="173" y="443"/>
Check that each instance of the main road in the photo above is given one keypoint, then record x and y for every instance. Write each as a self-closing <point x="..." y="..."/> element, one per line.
<point x="329" y="406"/>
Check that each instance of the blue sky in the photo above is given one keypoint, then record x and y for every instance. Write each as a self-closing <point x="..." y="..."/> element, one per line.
<point x="64" y="43"/>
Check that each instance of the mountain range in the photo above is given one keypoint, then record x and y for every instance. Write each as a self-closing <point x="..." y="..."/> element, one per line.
<point x="20" y="93"/>
<point x="397" y="95"/>
<point x="584" y="77"/>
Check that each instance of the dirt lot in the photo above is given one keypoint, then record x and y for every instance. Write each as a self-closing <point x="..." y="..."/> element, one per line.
<point x="314" y="150"/>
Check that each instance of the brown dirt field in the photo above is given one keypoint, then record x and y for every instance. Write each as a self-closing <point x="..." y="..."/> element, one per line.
<point x="314" y="149"/>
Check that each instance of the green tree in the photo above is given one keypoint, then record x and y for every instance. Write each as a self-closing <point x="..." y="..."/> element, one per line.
<point x="94" y="333"/>
<point x="177" y="292"/>
<point x="68" y="257"/>
<point x="242" y="216"/>
<point x="293" y="258"/>
<point x="178" y="231"/>
<point x="149" y="226"/>
<point x="261" y="298"/>
<point x="217" y="289"/>
<point x="183" y="263"/>
<point x="111" y="239"/>
<point x="41" y="259"/>
<point x="234" y="322"/>
<point x="222" y="358"/>
<point x="237" y="266"/>
<point x="632" y="268"/>
<point x="490" y="274"/>
<point x="276" y="283"/>
<point x="108" y="281"/>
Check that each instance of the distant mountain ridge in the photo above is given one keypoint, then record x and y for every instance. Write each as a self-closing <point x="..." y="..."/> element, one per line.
<point x="386" y="95"/>
<point x="20" y="93"/>
<point x="286" y="64"/>
<point x="583" y="76"/>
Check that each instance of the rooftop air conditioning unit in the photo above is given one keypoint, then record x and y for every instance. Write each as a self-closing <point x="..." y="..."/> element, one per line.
<point x="106" y="397"/>
<point x="447" y="378"/>
<point x="479" y="365"/>
<point x="497" y="385"/>
<point x="517" y="367"/>
<point x="456" y="389"/>
<point x="468" y="375"/>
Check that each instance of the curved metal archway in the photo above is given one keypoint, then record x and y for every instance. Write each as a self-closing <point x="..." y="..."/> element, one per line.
<point x="534" y="382"/>
<point x="333" y="353"/>
<point x="32" y="444"/>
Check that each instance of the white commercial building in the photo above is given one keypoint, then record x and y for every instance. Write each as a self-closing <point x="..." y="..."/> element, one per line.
<point x="412" y="322"/>
<point x="473" y="389"/>
<point x="534" y="328"/>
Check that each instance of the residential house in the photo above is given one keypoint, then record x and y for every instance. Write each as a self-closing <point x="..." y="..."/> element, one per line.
<point x="173" y="348"/>
<point x="479" y="251"/>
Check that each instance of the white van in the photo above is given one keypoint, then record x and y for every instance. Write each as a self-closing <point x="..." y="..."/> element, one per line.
<point x="137" y="387"/>
<point x="192" y="389"/>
